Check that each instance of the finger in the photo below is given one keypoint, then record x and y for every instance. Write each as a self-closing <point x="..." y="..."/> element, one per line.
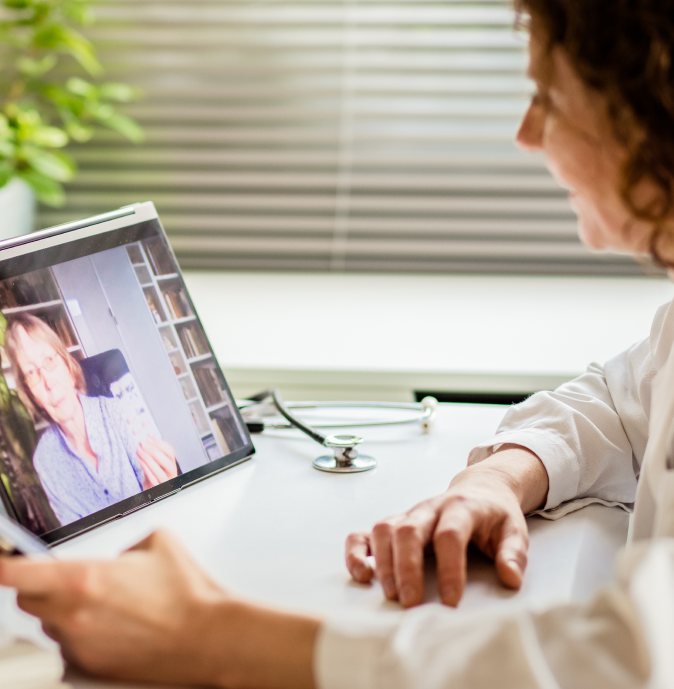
<point x="163" y="460"/>
<point x="161" y="448"/>
<point x="47" y="578"/>
<point x="357" y="552"/>
<point x="511" y="552"/>
<point x="50" y="609"/>
<point x="150" y="468"/>
<point x="380" y="544"/>
<point x="150" y="460"/>
<point x="450" y="542"/>
<point x="165" y="447"/>
<point x="409" y="540"/>
<point x="161" y="539"/>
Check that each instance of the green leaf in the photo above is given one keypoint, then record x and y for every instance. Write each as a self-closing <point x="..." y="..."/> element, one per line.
<point x="59" y="37"/>
<point x="121" y="93"/>
<point x="79" y="132"/>
<point x="7" y="486"/>
<point x="57" y="166"/>
<point x="102" y="111"/>
<point x="61" y="98"/>
<point x="81" y="88"/>
<point x="7" y="150"/>
<point x="36" y="68"/>
<point x="25" y="118"/>
<point x="6" y="132"/>
<point x="17" y="4"/>
<point x="50" y="137"/>
<point x="79" y="12"/>
<point x="82" y="51"/>
<point x="47" y="190"/>
<point x="5" y="178"/>
<point x="125" y="126"/>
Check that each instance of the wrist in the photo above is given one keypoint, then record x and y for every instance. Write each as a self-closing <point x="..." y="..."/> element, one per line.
<point x="521" y="471"/>
<point x="259" y="648"/>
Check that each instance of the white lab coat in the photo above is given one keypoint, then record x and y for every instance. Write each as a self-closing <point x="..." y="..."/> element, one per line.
<point x="604" y="437"/>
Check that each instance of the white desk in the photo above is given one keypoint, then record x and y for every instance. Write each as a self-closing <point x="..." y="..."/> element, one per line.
<point x="273" y="528"/>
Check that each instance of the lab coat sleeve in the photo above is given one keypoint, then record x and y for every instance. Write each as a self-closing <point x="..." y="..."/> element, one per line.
<point x="590" y="433"/>
<point x="579" y="436"/>
<point x="621" y="639"/>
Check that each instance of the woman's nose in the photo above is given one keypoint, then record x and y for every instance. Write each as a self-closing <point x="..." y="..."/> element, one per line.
<point x="530" y="134"/>
<point x="46" y="383"/>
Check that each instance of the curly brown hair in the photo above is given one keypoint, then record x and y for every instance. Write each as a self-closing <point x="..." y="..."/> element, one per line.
<point x="625" y="48"/>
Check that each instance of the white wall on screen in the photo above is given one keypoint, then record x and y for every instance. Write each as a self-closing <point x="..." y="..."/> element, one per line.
<point x="114" y="315"/>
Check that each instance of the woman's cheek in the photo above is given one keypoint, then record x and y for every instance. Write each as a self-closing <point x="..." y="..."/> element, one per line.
<point x="570" y="158"/>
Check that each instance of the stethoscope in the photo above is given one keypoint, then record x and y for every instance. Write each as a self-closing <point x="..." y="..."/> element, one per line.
<point x="345" y="457"/>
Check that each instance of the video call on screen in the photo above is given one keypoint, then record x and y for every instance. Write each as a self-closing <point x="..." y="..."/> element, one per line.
<point x="109" y="386"/>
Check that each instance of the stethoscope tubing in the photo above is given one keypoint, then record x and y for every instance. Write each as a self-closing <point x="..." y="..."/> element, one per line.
<point x="293" y="422"/>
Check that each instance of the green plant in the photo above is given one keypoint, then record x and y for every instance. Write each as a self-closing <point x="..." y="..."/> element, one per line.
<point x="44" y="101"/>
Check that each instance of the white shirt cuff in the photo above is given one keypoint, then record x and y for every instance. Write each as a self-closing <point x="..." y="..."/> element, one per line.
<point x="558" y="459"/>
<point x="348" y="651"/>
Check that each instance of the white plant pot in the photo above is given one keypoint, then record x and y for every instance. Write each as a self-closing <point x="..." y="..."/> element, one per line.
<point x="17" y="209"/>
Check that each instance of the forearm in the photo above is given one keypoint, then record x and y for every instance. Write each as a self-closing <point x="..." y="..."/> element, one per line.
<point x="520" y="469"/>
<point x="259" y="648"/>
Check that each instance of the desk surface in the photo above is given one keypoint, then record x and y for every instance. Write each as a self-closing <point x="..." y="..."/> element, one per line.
<point x="273" y="528"/>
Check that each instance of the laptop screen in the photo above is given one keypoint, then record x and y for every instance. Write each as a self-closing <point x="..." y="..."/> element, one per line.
<point x="110" y="393"/>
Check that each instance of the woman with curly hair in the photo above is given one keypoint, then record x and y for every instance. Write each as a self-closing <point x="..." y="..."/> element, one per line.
<point x="603" y="117"/>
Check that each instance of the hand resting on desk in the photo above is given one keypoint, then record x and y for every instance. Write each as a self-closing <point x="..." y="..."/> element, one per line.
<point x="485" y="504"/>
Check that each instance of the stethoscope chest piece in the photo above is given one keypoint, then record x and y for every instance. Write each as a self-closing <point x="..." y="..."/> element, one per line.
<point x="345" y="459"/>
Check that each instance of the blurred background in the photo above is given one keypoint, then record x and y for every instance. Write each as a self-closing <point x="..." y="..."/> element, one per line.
<point x="329" y="135"/>
<point x="337" y="177"/>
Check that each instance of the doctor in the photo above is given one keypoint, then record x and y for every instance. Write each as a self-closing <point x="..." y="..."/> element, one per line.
<point x="603" y="115"/>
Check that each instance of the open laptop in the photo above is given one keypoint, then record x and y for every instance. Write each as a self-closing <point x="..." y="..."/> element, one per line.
<point x="111" y="396"/>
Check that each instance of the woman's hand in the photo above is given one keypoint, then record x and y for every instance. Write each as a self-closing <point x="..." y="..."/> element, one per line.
<point x="153" y="616"/>
<point x="158" y="460"/>
<point x="484" y="505"/>
<point x="142" y="616"/>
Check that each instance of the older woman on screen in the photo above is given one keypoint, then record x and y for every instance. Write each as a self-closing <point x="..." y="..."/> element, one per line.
<point x="87" y="459"/>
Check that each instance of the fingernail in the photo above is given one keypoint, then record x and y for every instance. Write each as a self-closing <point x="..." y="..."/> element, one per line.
<point x="514" y="565"/>
<point x="389" y="587"/>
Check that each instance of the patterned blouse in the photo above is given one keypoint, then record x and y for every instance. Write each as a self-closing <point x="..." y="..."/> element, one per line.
<point x="74" y="487"/>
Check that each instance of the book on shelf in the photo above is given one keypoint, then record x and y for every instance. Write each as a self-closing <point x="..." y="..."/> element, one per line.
<point x="212" y="449"/>
<point x="199" y="419"/>
<point x="209" y="384"/>
<point x="187" y="343"/>
<point x="29" y="289"/>
<point x="160" y="259"/>
<point x="177" y="303"/>
<point x="192" y="341"/>
<point x="23" y="665"/>
<point x="150" y="299"/>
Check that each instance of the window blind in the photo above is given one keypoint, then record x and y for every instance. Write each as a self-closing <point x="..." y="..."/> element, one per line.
<point x="372" y="135"/>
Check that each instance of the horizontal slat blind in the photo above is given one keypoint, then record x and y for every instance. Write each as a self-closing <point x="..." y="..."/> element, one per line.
<point x="330" y="135"/>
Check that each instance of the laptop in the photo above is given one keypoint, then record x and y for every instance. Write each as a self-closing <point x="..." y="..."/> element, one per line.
<point x="111" y="396"/>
